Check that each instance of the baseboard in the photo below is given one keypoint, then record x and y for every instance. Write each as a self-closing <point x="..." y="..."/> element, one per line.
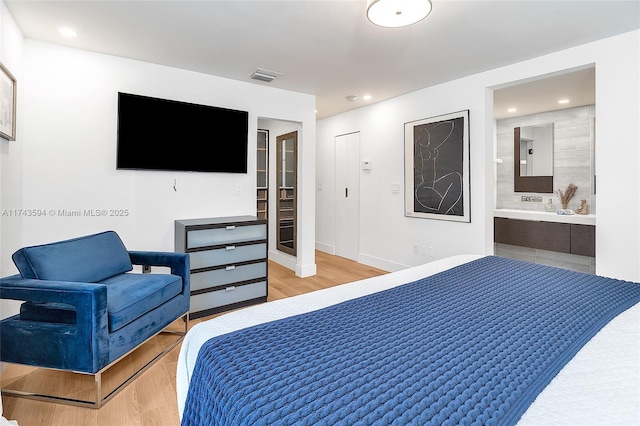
<point x="289" y="262"/>
<point x="283" y="259"/>
<point x="383" y="264"/>
<point x="326" y="248"/>
<point x="376" y="262"/>
<point x="304" y="271"/>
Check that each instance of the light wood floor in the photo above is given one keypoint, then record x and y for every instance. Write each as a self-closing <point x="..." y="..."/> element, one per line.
<point x="151" y="398"/>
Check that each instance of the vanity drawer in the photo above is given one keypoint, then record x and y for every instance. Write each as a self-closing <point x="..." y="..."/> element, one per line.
<point x="583" y="240"/>
<point x="227" y="255"/>
<point x="225" y="235"/>
<point x="561" y="237"/>
<point x="552" y="236"/>
<point x="228" y="296"/>
<point x="227" y="275"/>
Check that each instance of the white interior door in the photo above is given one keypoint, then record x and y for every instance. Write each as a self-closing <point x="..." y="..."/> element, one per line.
<point x="347" y="196"/>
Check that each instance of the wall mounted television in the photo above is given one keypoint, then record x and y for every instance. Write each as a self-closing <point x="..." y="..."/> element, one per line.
<point x="161" y="134"/>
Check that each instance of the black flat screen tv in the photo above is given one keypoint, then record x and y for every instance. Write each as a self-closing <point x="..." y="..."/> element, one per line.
<point x="160" y="134"/>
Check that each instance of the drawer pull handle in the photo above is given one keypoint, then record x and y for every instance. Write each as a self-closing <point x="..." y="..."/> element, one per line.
<point x="230" y="248"/>
<point x="230" y="288"/>
<point x="230" y="267"/>
<point x="231" y="227"/>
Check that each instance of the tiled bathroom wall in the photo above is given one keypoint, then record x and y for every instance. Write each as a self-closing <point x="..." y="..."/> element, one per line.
<point x="573" y="162"/>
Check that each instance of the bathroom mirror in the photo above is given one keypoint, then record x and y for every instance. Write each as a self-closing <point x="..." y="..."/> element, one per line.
<point x="533" y="158"/>
<point x="536" y="150"/>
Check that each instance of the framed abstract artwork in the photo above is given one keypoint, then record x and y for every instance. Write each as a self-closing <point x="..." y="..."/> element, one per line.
<point x="7" y="104"/>
<point x="437" y="167"/>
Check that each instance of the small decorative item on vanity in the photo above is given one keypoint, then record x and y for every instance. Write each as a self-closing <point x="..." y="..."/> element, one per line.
<point x="567" y="195"/>
<point x="549" y="207"/>
<point x="583" y="208"/>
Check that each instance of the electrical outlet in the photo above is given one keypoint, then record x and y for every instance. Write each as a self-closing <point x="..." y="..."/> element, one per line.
<point x="146" y="269"/>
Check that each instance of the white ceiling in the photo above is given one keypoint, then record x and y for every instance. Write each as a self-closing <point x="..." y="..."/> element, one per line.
<point x="578" y="87"/>
<point x="323" y="47"/>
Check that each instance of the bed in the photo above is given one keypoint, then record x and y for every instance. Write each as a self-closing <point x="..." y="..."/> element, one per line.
<point x="463" y="340"/>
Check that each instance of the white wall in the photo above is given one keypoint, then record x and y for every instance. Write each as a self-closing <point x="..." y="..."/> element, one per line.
<point x="11" y="55"/>
<point x="297" y="263"/>
<point x="68" y="137"/>
<point x="387" y="237"/>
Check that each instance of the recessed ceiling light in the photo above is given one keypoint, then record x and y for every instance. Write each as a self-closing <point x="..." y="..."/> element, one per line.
<point x="352" y="98"/>
<point x="367" y="97"/>
<point x="563" y="101"/>
<point x="511" y="110"/>
<point x="68" y="32"/>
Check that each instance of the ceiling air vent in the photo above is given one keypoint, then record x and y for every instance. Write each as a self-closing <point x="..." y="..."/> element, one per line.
<point x="265" y="75"/>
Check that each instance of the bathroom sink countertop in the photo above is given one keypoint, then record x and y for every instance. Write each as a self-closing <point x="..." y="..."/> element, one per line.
<point x="589" y="219"/>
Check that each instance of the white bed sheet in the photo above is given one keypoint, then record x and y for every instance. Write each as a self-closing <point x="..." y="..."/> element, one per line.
<point x="601" y="385"/>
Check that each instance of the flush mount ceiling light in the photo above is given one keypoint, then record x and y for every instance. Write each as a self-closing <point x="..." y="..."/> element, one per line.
<point x="397" y="13"/>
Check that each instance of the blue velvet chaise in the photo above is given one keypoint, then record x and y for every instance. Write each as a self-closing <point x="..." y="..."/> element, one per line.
<point x="83" y="309"/>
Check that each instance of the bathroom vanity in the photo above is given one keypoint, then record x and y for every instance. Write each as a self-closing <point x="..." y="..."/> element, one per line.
<point x="574" y="234"/>
<point x="539" y="232"/>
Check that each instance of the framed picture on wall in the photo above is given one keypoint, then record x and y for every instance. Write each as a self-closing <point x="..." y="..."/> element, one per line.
<point x="7" y="104"/>
<point x="437" y="167"/>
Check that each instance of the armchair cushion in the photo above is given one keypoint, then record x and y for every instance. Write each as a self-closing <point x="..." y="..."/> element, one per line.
<point x="89" y="259"/>
<point x="129" y="296"/>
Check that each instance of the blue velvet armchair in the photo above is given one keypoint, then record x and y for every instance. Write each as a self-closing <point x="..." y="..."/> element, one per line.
<point x="83" y="309"/>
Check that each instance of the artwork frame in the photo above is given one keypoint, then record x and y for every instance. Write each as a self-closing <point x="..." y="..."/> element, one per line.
<point x="8" y="97"/>
<point x="437" y="177"/>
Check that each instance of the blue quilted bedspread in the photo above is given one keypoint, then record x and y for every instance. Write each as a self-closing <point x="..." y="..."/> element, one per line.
<point x="472" y="345"/>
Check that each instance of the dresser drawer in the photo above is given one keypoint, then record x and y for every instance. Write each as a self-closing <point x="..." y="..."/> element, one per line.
<point x="228" y="255"/>
<point x="225" y="235"/>
<point x="228" y="275"/>
<point x="227" y="296"/>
